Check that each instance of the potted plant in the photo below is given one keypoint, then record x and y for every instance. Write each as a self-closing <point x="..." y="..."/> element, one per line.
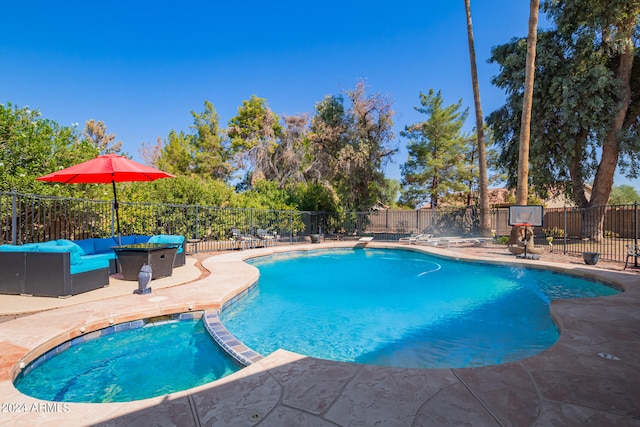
<point x="590" y="258"/>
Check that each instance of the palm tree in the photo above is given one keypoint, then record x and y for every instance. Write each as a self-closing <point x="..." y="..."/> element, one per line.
<point x="522" y="190"/>
<point x="483" y="182"/>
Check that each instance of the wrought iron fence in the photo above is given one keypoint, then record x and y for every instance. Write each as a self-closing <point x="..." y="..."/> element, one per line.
<point x="29" y="218"/>
<point x="570" y="230"/>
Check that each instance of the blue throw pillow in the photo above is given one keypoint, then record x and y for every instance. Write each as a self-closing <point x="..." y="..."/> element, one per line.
<point x="75" y="246"/>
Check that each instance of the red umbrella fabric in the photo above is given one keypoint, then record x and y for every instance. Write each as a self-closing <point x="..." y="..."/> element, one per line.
<point x="105" y="169"/>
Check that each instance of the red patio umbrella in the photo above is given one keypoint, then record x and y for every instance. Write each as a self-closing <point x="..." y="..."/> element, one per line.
<point x="108" y="168"/>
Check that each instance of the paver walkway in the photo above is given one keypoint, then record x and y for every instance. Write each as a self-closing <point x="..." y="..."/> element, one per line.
<point x="569" y="384"/>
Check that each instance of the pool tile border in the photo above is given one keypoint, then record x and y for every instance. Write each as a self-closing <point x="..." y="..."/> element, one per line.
<point x="242" y="354"/>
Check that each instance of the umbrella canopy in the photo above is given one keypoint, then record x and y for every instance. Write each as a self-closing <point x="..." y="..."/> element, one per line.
<point x="105" y="169"/>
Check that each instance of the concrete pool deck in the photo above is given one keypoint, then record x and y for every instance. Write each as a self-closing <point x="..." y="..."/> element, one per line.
<point x="591" y="376"/>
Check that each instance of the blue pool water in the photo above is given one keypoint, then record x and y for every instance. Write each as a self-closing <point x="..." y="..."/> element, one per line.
<point x="134" y="364"/>
<point x="401" y="308"/>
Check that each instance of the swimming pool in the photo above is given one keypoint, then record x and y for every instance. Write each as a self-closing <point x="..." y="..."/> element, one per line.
<point x="127" y="362"/>
<point x="401" y="308"/>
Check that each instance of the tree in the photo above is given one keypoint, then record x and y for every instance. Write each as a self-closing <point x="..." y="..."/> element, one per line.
<point x="369" y="145"/>
<point x="483" y="180"/>
<point x="522" y="190"/>
<point x="176" y="156"/>
<point x="328" y="135"/>
<point x="183" y="189"/>
<point x="211" y="153"/>
<point x="291" y="155"/>
<point x="205" y="152"/>
<point x="266" y="195"/>
<point x="150" y="153"/>
<point x="584" y="84"/>
<point x="254" y="132"/>
<point x="32" y="146"/>
<point x="436" y="152"/>
<point x="96" y="132"/>
<point x="623" y="195"/>
<point x="616" y="24"/>
<point x="469" y="172"/>
<point x="349" y="145"/>
<point x="314" y="197"/>
<point x="390" y="192"/>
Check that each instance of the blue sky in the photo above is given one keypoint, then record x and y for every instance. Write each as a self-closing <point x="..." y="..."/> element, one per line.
<point x="142" y="67"/>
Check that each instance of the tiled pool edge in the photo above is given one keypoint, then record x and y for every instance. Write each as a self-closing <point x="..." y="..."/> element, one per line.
<point x="236" y="349"/>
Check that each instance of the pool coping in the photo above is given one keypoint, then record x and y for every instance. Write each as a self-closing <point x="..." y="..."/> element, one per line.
<point x="470" y="393"/>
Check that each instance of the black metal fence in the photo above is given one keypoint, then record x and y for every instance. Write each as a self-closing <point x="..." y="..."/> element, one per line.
<point x="26" y="218"/>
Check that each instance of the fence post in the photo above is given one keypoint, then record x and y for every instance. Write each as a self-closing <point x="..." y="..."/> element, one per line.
<point x="14" y="216"/>
<point x="635" y="229"/>
<point x="564" y="244"/>
<point x="197" y="228"/>
<point x="290" y="227"/>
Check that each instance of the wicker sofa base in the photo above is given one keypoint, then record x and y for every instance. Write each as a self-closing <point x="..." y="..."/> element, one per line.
<point x="46" y="274"/>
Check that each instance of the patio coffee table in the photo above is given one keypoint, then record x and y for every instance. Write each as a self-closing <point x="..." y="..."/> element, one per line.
<point x="159" y="256"/>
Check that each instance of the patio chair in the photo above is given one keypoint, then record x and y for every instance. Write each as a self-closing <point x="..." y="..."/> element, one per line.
<point x="442" y="241"/>
<point x="476" y="241"/>
<point x="415" y="239"/>
<point x="632" y="251"/>
<point x="267" y="238"/>
<point x="244" y="239"/>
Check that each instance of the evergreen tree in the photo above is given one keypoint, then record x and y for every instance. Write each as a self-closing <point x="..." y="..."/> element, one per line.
<point x="176" y="156"/>
<point x="210" y="151"/>
<point x="436" y="152"/>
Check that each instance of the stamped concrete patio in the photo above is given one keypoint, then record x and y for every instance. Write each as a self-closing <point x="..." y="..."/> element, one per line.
<point x="571" y="383"/>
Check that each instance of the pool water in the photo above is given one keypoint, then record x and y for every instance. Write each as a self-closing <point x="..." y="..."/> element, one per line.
<point x="401" y="308"/>
<point x="134" y="364"/>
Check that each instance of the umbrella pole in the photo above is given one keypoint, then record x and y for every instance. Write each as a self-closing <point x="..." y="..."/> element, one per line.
<point x="115" y="205"/>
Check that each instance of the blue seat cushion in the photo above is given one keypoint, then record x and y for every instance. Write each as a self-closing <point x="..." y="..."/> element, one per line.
<point x="107" y="256"/>
<point x="126" y="240"/>
<point x="168" y="238"/>
<point x="89" y="265"/>
<point x="104" y="245"/>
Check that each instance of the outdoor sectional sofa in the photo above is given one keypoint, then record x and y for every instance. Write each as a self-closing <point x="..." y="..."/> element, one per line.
<point x="62" y="268"/>
<point x="50" y="269"/>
